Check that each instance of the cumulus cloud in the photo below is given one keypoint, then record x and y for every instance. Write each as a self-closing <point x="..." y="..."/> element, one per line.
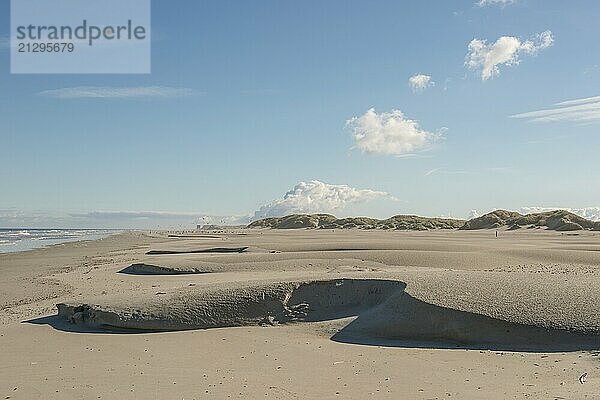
<point x="507" y="50"/>
<point x="107" y="92"/>
<point x="578" y="110"/>
<point x="591" y="213"/>
<point x="389" y="133"/>
<point x="316" y="197"/>
<point x="501" y="3"/>
<point x="420" y="82"/>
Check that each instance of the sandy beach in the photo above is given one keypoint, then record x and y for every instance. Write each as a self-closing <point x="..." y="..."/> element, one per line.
<point x="423" y="315"/>
<point x="299" y="200"/>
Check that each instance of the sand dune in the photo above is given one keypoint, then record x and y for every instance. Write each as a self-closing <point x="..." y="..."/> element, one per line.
<point x="326" y="221"/>
<point x="559" y="220"/>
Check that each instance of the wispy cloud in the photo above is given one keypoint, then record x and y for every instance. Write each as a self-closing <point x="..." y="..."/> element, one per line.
<point x="577" y="110"/>
<point x="436" y="171"/>
<point x="486" y="170"/>
<point x="500" y="3"/>
<point x="413" y="155"/>
<point x="389" y="133"/>
<point x="108" y="92"/>
<point x="507" y="51"/>
<point x="574" y="102"/>
<point x="419" y="82"/>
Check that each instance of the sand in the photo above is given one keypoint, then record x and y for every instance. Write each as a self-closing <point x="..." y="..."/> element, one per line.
<point x="304" y="314"/>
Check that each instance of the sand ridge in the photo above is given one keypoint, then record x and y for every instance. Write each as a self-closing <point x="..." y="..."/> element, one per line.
<point x="445" y="306"/>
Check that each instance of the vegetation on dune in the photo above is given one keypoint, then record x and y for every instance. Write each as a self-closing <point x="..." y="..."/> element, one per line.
<point x="559" y="220"/>
<point x="326" y="221"/>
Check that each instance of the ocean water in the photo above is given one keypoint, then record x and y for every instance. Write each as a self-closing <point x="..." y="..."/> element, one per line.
<point x="12" y="240"/>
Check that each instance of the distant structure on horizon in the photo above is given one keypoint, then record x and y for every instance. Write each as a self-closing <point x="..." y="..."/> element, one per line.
<point x="207" y="227"/>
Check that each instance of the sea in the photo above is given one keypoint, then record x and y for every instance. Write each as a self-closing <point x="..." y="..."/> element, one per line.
<point x="15" y="239"/>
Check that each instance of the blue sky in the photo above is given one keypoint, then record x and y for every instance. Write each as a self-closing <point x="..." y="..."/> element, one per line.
<point x="247" y="99"/>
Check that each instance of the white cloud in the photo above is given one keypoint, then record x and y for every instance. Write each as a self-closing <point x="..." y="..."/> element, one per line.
<point x="316" y="197"/>
<point x="412" y="155"/>
<point x="107" y="92"/>
<point x="473" y="214"/>
<point x="446" y="171"/>
<point x="389" y="133"/>
<point x="507" y="50"/>
<point x="585" y="100"/>
<point x="578" y="110"/>
<point x="591" y="213"/>
<point x="420" y="82"/>
<point x="501" y="3"/>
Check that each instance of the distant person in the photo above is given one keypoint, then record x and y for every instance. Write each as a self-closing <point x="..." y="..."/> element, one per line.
<point x="496" y="233"/>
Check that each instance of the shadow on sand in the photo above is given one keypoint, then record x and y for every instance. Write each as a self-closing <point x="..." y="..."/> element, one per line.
<point x="218" y="250"/>
<point x="152" y="269"/>
<point x="59" y="323"/>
